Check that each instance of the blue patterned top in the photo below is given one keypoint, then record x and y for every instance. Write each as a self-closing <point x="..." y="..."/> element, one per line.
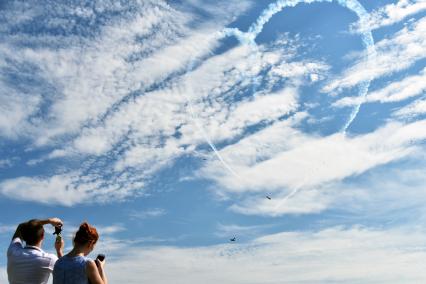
<point x="70" y="270"/>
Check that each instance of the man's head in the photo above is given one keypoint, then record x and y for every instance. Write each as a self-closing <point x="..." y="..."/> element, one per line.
<point x="33" y="232"/>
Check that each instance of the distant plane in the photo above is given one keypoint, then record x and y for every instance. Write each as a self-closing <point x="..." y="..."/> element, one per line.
<point x="233" y="239"/>
<point x="267" y="196"/>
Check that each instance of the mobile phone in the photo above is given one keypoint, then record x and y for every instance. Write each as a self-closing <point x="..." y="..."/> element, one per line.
<point x="101" y="257"/>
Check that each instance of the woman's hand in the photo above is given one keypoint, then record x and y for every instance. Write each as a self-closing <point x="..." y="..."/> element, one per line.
<point x="100" y="265"/>
<point x="95" y="272"/>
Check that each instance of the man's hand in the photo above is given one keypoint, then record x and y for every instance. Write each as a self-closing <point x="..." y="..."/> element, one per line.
<point x="55" y="222"/>
<point x="59" y="246"/>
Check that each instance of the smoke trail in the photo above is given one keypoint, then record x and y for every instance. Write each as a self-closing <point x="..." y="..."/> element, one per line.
<point x="203" y="132"/>
<point x="367" y="38"/>
<point x="249" y="37"/>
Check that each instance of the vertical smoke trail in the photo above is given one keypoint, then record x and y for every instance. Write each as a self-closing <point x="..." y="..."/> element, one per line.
<point x="203" y="132"/>
<point x="276" y="7"/>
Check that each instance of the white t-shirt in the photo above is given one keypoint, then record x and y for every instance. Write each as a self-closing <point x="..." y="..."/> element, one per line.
<point x="28" y="265"/>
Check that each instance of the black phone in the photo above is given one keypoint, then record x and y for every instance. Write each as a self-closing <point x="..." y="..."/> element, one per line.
<point x="101" y="257"/>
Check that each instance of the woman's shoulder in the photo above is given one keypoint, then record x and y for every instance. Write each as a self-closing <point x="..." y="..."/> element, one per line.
<point x="67" y="259"/>
<point x="91" y="265"/>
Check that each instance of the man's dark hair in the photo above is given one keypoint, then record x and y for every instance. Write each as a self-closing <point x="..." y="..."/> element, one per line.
<point x="32" y="232"/>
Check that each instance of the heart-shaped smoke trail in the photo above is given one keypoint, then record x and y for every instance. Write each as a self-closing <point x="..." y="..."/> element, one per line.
<point x="367" y="38"/>
<point x="249" y="37"/>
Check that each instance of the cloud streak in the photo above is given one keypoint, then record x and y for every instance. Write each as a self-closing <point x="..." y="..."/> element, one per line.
<point x="394" y="54"/>
<point x="390" y="14"/>
<point x="404" y="89"/>
<point x="348" y="255"/>
<point x="291" y="161"/>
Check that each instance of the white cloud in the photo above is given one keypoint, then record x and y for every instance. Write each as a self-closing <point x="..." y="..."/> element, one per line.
<point x="394" y="54"/>
<point x="147" y="214"/>
<point x="109" y="230"/>
<point x="220" y="79"/>
<point x="7" y="163"/>
<point x="390" y="14"/>
<point x="355" y="254"/>
<point x="3" y="275"/>
<point x="15" y="109"/>
<point x="7" y="228"/>
<point x="281" y="160"/>
<point x="389" y="194"/>
<point x="142" y="133"/>
<point x="418" y="107"/>
<point x="406" y="88"/>
<point x="95" y="81"/>
<point x="92" y="75"/>
<point x="145" y="125"/>
<point x="233" y="230"/>
<point x="56" y="189"/>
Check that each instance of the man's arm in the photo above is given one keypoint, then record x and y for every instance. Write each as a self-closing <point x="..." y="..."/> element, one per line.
<point x="59" y="246"/>
<point x="59" y="243"/>
<point x="52" y="221"/>
<point x="18" y="232"/>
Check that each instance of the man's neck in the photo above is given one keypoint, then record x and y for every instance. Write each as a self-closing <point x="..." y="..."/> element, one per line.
<point x="37" y="245"/>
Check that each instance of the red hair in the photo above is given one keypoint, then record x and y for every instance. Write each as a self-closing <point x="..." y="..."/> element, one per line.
<point x="86" y="234"/>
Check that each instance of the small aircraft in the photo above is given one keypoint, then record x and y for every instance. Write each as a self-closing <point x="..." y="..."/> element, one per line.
<point x="268" y="197"/>
<point x="233" y="239"/>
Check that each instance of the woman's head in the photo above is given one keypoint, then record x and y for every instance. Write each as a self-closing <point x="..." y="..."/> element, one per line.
<point x="86" y="236"/>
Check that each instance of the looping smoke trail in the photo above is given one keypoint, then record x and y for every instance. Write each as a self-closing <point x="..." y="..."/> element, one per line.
<point x="367" y="38"/>
<point x="256" y="28"/>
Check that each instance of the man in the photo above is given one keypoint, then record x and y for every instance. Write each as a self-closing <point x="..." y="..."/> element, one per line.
<point x="30" y="264"/>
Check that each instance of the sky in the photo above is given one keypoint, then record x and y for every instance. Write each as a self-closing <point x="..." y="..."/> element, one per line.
<point x="296" y="126"/>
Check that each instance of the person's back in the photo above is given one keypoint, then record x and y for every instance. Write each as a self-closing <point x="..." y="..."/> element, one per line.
<point x="70" y="270"/>
<point x="28" y="265"/>
<point x="75" y="267"/>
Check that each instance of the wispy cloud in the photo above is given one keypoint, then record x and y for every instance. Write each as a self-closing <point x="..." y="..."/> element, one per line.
<point x="56" y="189"/>
<point x="5" y="163"/>
<point x="394" y="54"/>
<point x="3" y="275"/>
<point x="390" y="14"/>
<point x="234" y="230"/>
<point x="288" y="161"/>
<point x="348" y="255"/>
<point x="414" y="109"/>
<point x="147" y="214"/>
<point x="406" y="88"/>
<point x="102" y="86"/>
<point x="7" y="228"/>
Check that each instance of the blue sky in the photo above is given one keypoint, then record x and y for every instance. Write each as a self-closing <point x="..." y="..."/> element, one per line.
<point x="167" y="123"/>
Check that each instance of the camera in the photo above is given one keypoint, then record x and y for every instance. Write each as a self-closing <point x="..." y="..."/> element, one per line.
<point x="58" y="231"/>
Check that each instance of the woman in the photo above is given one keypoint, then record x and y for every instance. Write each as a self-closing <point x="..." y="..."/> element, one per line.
<point x="75" y="267"/>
